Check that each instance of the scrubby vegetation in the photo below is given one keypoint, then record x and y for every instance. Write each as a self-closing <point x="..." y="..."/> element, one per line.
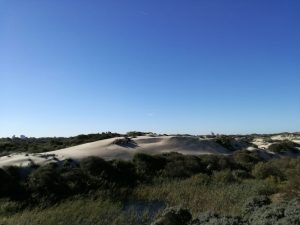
<point x="125" y="141"/>
<point x="238" y="189"/>
<point x="284" y="146"/>
<point x="226" y="141"/>
<point x="34" y="145"/>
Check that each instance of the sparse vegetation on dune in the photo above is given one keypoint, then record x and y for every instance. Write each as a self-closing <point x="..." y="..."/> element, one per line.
<point x="34" y="145"/>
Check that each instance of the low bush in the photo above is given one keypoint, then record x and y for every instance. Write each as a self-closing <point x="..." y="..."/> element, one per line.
<point x="246" y="159"/>
<point x="47" y="182"/>
<point x="263" y="170"/>
<point x="7" y="184"/>
<point x="181" y="166"/>
<point x="148" y="166"/>
<point x="97" y="167"/>
<point x="284" y="146"/>
<point x="224" y="176"/>
<point x="226" y="142"/>
<point x="201" y="179"/>
<point x="123" y="141"/>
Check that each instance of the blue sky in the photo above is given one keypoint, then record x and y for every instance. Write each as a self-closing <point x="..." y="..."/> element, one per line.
<point x="71" y="67"/>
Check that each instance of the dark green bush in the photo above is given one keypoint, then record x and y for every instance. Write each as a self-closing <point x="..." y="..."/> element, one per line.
<point x="7" y="184"/>
<point x="147" y="166"/>
<point x="96" y="167"/>
<point x="135" y="133"/>
<point x="286" y="213"/>
<point x="224" y="176"/>
<point x="201" y="179"/>
<point x="240" y="174"/>
<point x="264" y="170"/>
<point x="76" y="181"/>
<point x="47" y="182"/>
<point x="126" y="141"/>
<point x="217" y="162"/>
<point x="284" y="146"/>
<point x="254" y="204"/>
<point x="246" y="159"/>
<point x="226" y="142"/>
<point x="181" y="166"/>
<point x="125" y="173"/>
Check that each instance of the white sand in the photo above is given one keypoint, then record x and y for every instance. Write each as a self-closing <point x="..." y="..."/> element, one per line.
<point x="107" y="150"/>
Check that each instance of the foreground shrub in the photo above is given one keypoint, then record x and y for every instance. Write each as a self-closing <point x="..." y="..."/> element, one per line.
<point x="210" y="218"/>
<point x="181" y="166"/>
<point x="255" y="203"/>
<point x="7" y="184"/>
<point x="96" y="167"/>
<point x="216" y="163"/>
<point x="246" y="159"/>
<point x="201" y="179"/>
<point x="147" y="166"/>
<point x="283" y="146"/>
<point x="286" y="213"/>
<point x="240" y="174"/>
<point x="264" y="170"/>
<point x="47" y="182"/>
<point x="225" y="176"/>
<point x="76" y="181"/>
<point x="125" y="173"/>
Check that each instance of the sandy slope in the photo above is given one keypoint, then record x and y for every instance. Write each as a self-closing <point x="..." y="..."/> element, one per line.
<point x="150" y="145"/>
<point x="146" y="144"/>
<point x="108" y="150"/>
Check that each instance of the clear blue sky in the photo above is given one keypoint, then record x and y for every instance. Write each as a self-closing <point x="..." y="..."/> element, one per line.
<point x="71" y="67"/>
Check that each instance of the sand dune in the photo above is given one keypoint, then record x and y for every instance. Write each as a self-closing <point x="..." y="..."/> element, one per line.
<point x="108" y="150"/>
<point x="112" y="149"/>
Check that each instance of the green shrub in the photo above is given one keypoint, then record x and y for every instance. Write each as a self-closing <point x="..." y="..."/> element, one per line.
<point x="46" y="182"/>
<point x="125" y="173"/>
<point x="135" y="133"/>
<point x="255" y="203"/>
<point x="217" y="162"/>
<point x="201" y="179"/>
<point x="226" y="142"/>
<point x="246" y="159"/>
<point x="181" y="166"/>
<point x="147" y="166"/>
<point x="284" y="146"/>
<point x="224" y="176"/>
<point x="263" y="170"/>
<point x="8" y="208"/>
<point x="286" y="213"/>
<point x="7" y="184"/>
<point x="76" y="181"/>
<point x="240" y="174"/>
<point x="124" y="141"/>
<point x="97" y="167"/>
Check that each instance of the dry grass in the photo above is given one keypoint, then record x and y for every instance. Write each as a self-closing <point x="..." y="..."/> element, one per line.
<point x="218" y="197"/>
<point x="78" y="212"/>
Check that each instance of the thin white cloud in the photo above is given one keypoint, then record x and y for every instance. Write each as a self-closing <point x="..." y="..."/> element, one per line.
<point x="144" y="13"/>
